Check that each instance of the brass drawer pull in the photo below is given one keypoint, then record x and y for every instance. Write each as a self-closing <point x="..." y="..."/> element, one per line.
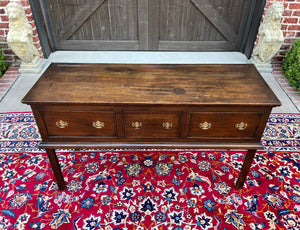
<point x="167" y="125"/>
<point x="98" y="124"/>
<point x="62" y="124"/>
<point x="205" y="125"/>
<point x="241" y="126"/>
<point x="136" y="125"/>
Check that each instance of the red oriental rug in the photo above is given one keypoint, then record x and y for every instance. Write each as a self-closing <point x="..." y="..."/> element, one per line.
<point x="149" y="189"/>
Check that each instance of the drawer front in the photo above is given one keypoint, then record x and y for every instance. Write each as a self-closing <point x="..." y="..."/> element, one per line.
<point x="102" y="124"/>
<point x="241" y="125"/>
<point x="151" y="125"/>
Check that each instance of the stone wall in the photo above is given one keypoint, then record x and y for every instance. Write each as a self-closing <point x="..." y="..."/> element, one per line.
<point x="290" y="26"/>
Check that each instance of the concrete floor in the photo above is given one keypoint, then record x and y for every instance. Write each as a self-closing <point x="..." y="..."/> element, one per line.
<point x="12" y="101"/>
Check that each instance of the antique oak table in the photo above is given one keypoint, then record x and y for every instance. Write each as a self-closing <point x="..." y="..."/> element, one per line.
<point x="151" y="106"/>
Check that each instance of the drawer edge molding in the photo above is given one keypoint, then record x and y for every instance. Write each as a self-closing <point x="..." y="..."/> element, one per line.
<point x="149" y="145"/>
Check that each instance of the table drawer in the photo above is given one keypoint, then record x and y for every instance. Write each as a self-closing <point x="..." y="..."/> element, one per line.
<point x="73" y="123"/>
<point x="151" y="124"/>
<point x="224" y="124"/>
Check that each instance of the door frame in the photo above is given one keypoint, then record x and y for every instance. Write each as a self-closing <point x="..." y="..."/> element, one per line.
<point x="41" y="19"/>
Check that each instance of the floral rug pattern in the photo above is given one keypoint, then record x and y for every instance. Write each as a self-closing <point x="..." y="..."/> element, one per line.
<point x="149" y="189"/>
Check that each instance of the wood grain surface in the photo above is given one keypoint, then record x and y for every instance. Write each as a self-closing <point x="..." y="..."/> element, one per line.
<point x="115" y="84"/>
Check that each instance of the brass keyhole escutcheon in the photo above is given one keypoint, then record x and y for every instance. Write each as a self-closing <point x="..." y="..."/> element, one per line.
<point x="136" y="125"/>
<point x="98" y="124"/>
<point x="205" y="125"/>
<point x="62" y="124"/>
<point x="241" y="126"/>
<point x="167" y="125"/>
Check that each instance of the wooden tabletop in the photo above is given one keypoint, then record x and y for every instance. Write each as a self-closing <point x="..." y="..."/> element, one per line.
<point x="162" y="84"/>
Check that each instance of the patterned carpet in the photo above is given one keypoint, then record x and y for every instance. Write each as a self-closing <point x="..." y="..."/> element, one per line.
<point x="149" y="189"/>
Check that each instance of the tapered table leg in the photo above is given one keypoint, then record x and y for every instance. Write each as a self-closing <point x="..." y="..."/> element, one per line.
<point x="245" y="169"/>
<point x="56" y="169"/>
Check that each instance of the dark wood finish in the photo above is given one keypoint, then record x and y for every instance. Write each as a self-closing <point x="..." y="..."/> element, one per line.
<point x="223" y="124"/>
<point x="134" y="84"/>
<point x="181" y="25"/>
<point x="151" y="106"/>
<point x="56" y="169"/>
<point x="41" y="27"/>
<point x="148" y="145"/>
<point x="81" y="123"/>
<point x="152" y="125"/>
<point x="245" y="169"/>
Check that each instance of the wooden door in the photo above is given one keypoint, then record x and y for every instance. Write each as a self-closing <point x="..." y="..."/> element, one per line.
<point x="179" y="25"/>
<point x="202" y="25"/>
